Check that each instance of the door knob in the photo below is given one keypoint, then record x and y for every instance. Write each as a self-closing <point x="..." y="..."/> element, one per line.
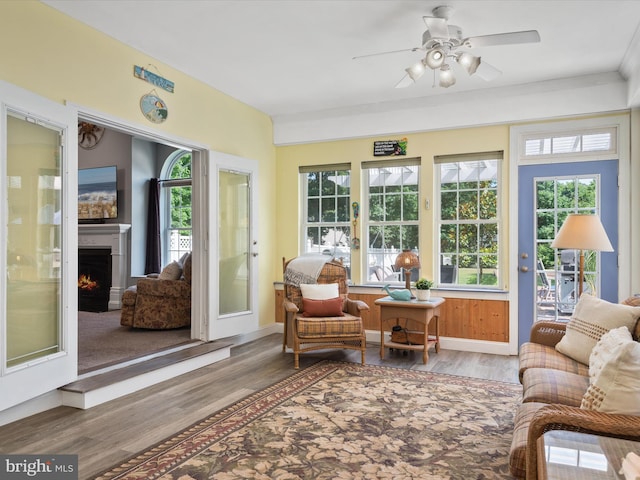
<point x="524" y="268"/>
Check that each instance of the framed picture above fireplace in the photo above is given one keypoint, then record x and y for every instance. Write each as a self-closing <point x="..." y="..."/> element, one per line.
<point x="97" y="194"/>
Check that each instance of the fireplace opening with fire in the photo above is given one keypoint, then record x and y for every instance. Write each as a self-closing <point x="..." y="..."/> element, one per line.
<point x="94" y="279"/>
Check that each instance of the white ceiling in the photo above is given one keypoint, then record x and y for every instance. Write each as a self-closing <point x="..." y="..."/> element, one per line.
<point x="289" y="58"/>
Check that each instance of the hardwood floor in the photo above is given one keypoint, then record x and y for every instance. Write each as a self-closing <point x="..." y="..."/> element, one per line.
<point x="110" y="433"/>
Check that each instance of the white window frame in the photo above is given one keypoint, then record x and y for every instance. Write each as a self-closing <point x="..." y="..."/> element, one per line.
<point x="386" y="265"/>
<point x="579" y="154"/>
<point x="470" y="157"/>
<point x="340" y="252"/>
<point x="165" y="203"/>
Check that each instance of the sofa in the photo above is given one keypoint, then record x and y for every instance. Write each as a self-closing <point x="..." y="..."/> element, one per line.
<point x="160" y="301"/>
<point x="582" y="375"/>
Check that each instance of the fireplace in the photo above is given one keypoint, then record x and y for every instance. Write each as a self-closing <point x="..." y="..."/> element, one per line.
<point x="111" y="236"/>
<point x="94" y="279"/>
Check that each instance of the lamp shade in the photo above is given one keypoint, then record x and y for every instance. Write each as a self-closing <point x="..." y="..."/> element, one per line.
<point x="416" y="70"/>
<point x="582" y="232"/>
<point x="407" y="260"/>
<point x="435" y="58"/>
<point x="469" y="62"/>
<point x="446" y="76"/>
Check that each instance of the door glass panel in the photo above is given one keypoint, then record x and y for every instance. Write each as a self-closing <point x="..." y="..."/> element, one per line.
<point x="234" y="238"/>
<point x="33" y="248"/>
<point x="556" y="270"/>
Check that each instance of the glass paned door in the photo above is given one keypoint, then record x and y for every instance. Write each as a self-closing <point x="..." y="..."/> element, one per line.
<point x="38" y="324"/>
<point x="234" y="243"/>
<point x="547" y="277"/>
<point x="234" y="266"/>
<point x="33" y="249"/>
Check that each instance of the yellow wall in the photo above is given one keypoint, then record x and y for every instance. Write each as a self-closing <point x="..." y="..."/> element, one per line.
<point x="425" y="145"/>
<point x="54" y="56"/>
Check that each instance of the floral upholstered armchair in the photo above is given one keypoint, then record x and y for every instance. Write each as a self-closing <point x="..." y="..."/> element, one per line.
<point x="160" y="301"/>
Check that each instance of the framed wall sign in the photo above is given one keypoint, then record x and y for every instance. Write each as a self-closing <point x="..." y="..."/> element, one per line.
<point x="385" y="148"/>
<point x="154" y="108"/>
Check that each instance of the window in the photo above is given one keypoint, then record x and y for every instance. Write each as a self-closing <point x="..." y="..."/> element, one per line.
<point x="392" y="225"/>
<point x="555" y="198"/>
<point x="469" y="222"/>
<point x="326" y="221"/>
<point x="176" y="188"/>
<point x="563" y="144"/>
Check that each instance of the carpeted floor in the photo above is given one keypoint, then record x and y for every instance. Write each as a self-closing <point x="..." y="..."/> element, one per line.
<point x="103" y="341"/>
<point x="348" y="421"/>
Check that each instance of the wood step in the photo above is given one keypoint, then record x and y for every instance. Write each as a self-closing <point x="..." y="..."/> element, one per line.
<point x="96" y="389"/>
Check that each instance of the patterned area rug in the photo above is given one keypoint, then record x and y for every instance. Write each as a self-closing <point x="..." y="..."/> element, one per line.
<point x="346" y="421"/>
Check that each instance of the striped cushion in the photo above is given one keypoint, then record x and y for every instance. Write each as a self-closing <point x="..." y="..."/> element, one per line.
<point x="518" y="452"/>
<point x="545" y="385"/>
<point x="312" y="327"/>
<point x="534" y="355"/>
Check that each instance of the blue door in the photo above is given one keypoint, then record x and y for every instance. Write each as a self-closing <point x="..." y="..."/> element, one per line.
<point x="547" y="277"/>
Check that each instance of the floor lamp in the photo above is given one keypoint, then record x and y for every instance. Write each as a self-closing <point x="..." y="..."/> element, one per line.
<point x="582" y="232"/>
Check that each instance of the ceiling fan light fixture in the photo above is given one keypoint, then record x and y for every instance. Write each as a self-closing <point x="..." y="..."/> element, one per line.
<point x="416" y="70"/>
<point x="435" y="58"/>
<point x="469" y="62"/>
<point x="446" y="76"/>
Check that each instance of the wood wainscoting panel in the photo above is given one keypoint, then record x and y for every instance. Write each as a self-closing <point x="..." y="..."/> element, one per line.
<point x="474" y="319"/>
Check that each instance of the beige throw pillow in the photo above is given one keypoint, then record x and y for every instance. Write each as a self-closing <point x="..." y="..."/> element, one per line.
<point x="173" y="271"/>
<point x="606" y="348"/>
<point x="592" y="318"/>
<point x="617" y="388"/>
<point x="319" y="291"/>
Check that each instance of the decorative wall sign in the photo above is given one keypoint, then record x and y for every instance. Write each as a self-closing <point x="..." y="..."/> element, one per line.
<point x="154" y="79"/>
<point x="387" y="148"/>
<point x="153" y="107"/>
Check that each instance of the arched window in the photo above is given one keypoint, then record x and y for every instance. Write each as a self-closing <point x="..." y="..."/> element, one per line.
<point x="176" y="202"/>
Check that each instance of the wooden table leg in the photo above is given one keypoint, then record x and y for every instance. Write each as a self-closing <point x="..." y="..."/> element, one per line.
<point x="437" y="317"/>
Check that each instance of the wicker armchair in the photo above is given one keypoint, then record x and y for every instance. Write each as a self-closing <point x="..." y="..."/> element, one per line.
<point x="303" y="334"/>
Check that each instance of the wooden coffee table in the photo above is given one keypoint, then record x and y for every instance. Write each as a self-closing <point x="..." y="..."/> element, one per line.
<point x="393" y="312"/>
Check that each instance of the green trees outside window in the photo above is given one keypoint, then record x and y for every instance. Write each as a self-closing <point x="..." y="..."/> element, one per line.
<point x="469" y="220"/>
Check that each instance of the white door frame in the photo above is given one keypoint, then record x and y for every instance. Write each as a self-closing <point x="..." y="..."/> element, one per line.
<point x="623" y="145"/>
<point x="199" y="293"/>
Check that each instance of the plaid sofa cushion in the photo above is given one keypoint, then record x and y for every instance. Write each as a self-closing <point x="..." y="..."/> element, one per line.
<point x="518" y="452"/>
<point x="344" y="326"/>
<point x="534" y="355"/>
<point x="545" y="385"/>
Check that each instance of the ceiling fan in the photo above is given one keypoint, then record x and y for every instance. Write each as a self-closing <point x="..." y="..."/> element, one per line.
<point x="444" y="43"/>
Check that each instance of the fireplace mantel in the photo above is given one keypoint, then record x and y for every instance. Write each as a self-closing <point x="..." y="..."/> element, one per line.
<point x="113" y="236"/>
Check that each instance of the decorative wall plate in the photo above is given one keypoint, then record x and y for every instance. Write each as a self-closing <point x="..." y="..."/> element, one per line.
<point x="89" y="134"/>
<point x="153" y="108"/>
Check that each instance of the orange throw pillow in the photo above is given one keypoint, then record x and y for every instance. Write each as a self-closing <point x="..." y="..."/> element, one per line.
<point x="331" y="307"/>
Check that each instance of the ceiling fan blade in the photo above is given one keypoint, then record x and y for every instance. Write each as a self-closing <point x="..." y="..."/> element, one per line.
<point x="414" y="49"/>
<point x="487" y="72"/>
<point x="405" y="82"/>
<point x="438" y="27"/>
<point x="528" y="36"/>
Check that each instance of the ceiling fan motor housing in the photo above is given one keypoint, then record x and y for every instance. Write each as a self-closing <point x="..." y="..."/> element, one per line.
<point x="454" y="40"/>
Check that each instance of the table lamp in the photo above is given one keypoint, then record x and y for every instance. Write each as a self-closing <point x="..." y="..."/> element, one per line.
<point x="582" y="232"/>
<point x="407" y="260"/>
